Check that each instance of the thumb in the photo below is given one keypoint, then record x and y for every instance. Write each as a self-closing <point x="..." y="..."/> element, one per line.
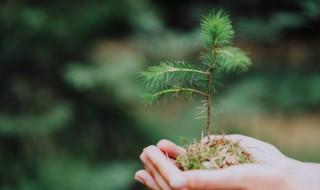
<point x="213" y="179"/>
<point x="246" y="176"/>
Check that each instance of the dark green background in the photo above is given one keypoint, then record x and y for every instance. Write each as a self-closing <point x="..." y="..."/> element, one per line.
<point x="70" y="115"/>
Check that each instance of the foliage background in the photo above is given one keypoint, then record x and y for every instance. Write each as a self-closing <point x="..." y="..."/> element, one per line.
<point x="70" y="117"/>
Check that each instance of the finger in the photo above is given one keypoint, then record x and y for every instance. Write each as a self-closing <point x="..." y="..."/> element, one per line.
<point x="144" y="159"/>
<point x="170" y="148"/>
<point x="163" y="165"/>
<point x="159" y="180"/>
<point x="148" y="170"/>
<point x="146" y="179"/>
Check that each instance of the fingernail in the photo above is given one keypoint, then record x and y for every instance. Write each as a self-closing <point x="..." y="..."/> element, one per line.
<point x="143" y="158"/>
<point x="162" y="142"/>
<point x="139" y="179"/>
<point x="178" y="182"/>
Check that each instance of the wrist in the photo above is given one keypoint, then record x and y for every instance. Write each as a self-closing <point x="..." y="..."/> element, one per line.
<point x="292" y="166"/>
<point x="302" y="174"/>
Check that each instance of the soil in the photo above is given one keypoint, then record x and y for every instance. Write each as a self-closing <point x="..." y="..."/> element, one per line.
<point x="214" y="153"/>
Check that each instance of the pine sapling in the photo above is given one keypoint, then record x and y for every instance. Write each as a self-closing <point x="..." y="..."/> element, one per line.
<point x="173" y="79"/>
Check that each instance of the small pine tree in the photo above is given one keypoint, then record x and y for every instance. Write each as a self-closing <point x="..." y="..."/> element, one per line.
<point x="178" y="79"/>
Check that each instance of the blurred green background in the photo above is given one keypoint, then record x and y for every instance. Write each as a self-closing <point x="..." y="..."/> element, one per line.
<point x="70" y="116"/>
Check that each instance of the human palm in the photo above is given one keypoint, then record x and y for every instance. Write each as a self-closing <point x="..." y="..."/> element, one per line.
<point x="263" y="153"/>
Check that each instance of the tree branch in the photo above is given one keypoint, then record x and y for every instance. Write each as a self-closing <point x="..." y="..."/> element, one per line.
<point x="177" y="90"/>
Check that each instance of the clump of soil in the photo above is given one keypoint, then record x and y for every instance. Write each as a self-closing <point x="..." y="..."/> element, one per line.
<point x="216" y="153"/>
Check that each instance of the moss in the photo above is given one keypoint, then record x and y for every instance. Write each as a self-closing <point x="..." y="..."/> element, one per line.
<point x="216" y="153"/>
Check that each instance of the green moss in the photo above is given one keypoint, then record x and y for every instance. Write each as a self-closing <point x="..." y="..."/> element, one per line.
<point x="215" y="153"/>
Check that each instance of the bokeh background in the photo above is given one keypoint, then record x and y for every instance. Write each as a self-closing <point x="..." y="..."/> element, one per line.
<point x="70" y="114"/>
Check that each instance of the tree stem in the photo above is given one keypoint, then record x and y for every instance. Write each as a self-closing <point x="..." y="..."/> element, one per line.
<point x="209" y="98"/>
<point x="209" y="104"/>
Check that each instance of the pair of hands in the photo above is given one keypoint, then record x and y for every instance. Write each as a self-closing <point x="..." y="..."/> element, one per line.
<point x="273" y="170"/>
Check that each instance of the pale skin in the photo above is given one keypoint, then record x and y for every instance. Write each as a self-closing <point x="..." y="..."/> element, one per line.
<point x="273" y="170"/>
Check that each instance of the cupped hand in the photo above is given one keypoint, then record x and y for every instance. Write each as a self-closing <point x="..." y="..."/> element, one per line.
<point x="269" y="172"/>
<point x="262" y="152"/>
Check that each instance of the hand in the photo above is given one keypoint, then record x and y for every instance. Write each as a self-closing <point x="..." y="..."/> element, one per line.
<point x="270" y="172"/>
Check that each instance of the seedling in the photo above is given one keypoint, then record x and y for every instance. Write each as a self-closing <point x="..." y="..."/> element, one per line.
<point x="173" y="79"/>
